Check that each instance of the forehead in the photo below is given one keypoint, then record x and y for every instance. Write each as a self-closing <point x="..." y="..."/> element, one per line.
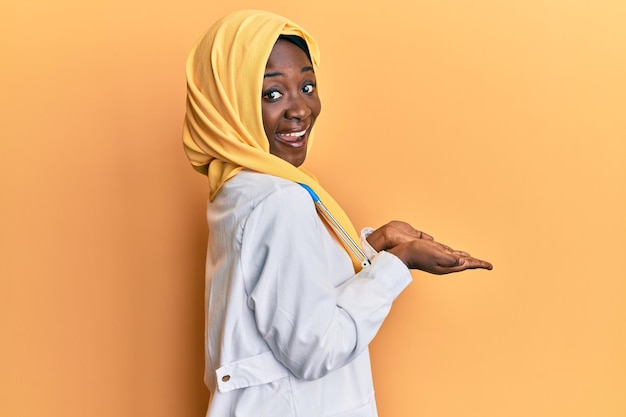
<point x="286" y="54"/>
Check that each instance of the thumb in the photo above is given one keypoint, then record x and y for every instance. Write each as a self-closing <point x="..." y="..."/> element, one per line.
<point x="449" y="260"/>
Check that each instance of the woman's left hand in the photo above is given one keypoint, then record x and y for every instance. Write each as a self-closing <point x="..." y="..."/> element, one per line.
<point x="393" y="234"/>
<point x="436" y="258"/>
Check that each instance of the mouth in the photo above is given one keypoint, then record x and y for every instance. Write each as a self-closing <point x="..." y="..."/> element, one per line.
<point x="293" y="139"/>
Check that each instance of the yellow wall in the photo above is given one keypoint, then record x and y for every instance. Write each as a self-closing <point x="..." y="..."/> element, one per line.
<point x="499" y="127"/>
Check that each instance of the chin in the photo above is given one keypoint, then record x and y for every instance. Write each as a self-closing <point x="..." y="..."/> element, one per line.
<point x="296" y="162"/>
<point x="299" y="160"/>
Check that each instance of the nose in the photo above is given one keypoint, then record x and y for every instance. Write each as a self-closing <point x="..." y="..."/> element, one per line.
<point x="297" y="108"/>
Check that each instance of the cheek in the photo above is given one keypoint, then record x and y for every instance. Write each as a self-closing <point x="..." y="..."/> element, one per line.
<point x="317" y="107"/>
<point x="268" y="121"/>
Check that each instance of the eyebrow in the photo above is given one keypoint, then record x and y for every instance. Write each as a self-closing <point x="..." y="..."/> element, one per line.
<point x="279" y="74"/>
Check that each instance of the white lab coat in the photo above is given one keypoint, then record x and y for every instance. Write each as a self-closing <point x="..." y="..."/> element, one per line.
<point x="288" y="322"/>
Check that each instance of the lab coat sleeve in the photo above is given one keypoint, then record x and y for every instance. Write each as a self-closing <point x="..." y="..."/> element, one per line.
<point x="370" y="252"/>
<point x="311" y="326"/>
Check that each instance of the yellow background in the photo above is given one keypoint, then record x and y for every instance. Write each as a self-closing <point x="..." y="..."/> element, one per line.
<point x="497" y="126"/>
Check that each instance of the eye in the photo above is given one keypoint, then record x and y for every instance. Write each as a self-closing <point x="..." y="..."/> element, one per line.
<point x="308" y="88"/>
<point x="272" y="95"/>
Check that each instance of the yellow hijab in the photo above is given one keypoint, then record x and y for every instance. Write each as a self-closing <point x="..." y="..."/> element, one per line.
<point x="223" y="129"/>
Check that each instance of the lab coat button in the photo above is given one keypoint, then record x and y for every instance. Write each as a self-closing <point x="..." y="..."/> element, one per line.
<point x="226" y="378"/>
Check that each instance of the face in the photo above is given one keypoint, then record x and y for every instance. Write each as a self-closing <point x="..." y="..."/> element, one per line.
<point x="289" y="103"/>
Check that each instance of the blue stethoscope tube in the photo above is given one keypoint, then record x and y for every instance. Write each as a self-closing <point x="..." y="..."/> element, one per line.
<point x="341" y="232"/>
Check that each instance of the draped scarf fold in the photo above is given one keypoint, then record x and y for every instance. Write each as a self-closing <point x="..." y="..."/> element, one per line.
<point x="223" y="128"/>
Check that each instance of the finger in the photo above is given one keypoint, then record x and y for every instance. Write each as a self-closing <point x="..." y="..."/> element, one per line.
<point x="419" y="234"/>
<point x="473" y="263"/>
<point x="446" y="248"/>
<point x="462" y="265"/>
<point x="424" y="235"/>
<point x="456" y="252"/>
<point x="410" y="230"/>
<point x="483" y="264"/>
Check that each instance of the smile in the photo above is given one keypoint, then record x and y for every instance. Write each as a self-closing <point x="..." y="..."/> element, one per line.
<point x="293" y="139"/>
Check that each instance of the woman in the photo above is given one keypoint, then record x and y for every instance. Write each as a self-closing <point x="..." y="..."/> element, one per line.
<point x="291" y="306"/>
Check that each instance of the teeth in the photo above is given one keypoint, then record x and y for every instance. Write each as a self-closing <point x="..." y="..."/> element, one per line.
<point x="294" y="133"/>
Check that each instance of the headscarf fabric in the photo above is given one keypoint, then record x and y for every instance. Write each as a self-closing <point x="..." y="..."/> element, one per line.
<point x="223" y="129"/>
